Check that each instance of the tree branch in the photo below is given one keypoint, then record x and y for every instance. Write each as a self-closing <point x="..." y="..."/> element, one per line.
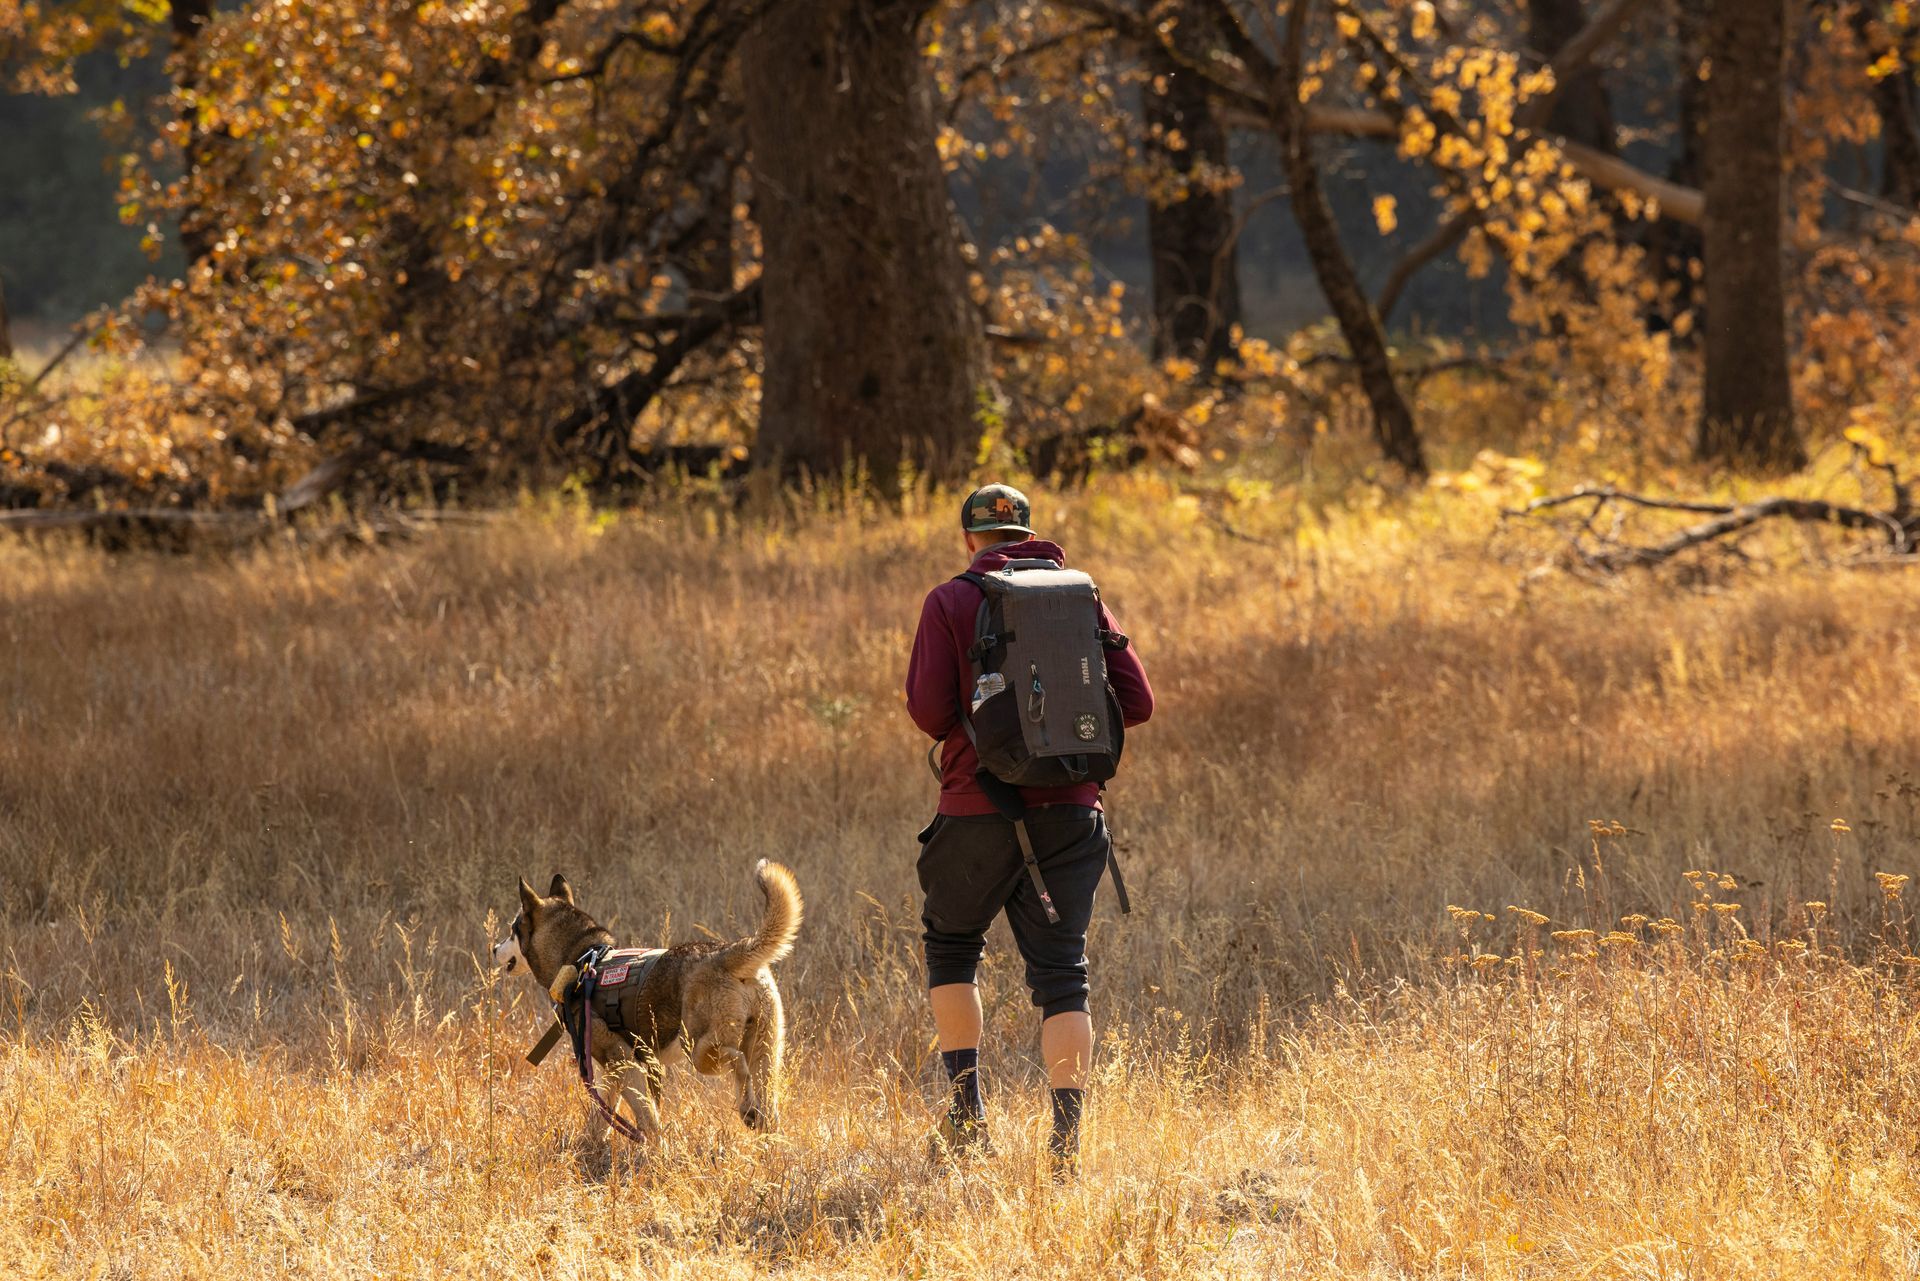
<point x="316" y="421"/>
<point x="1681" y="204"/>
<point x="1573" y="55"/>
<point x="999" y="63"/>
<point x="1443" y="239"/>
<point x="72" y="344"/>
<point x="626" y="397"/>
<point x="597" y="66"/>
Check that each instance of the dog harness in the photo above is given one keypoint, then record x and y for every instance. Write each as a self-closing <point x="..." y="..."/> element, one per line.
<point x="618" y="979"/>
<point x="604" y="980"/>
<point x="614" y="978"/>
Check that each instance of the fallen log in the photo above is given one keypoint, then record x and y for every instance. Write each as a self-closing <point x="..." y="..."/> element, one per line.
<point x="178" y="529"/>
<point x="176" y="526"/>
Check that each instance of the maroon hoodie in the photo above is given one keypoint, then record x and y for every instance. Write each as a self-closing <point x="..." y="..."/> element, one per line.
<point x="939" y="677"/>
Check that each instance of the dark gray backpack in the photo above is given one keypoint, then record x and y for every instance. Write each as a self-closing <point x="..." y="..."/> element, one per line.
<point x="1042" y="713"/>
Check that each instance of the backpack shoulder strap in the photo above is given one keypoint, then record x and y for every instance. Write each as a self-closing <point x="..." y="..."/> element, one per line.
<point x="983" y="638"/>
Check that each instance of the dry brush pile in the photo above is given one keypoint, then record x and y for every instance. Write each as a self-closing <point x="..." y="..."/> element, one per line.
<point x="1419" y="983"/>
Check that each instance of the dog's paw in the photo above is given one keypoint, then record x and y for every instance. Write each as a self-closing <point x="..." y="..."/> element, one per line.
<point x="594" y="1161"/>
<point x="561" y="982"/>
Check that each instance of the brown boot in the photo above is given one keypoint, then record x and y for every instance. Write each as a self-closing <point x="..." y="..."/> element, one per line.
<point x="958" y="1138"/>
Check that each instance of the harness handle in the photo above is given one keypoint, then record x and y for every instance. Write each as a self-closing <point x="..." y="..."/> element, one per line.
<point x="579" y="995"/>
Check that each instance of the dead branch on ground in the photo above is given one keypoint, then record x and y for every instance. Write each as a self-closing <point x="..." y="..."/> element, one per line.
<point x="1597" y="535"/>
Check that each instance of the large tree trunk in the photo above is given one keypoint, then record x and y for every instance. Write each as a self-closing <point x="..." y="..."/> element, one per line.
<point x="874" y="351"/>
<point x="1748" y="414"/>
<point x="1190" y="227"/>
<point x="1581" y="110"/>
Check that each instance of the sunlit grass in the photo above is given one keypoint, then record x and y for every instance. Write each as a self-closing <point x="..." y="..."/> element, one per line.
<point x="257" y="811"/>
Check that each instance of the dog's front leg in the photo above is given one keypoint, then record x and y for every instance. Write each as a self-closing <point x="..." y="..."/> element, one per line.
<point x="636" y="1082"/>
<point x="606" y="1088"/>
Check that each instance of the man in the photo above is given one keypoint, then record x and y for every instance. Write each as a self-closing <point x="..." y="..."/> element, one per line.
<point x="971" y="866"/>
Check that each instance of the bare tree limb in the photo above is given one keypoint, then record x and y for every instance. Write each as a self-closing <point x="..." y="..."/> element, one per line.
<point x="329" y="476"/>
<point x="1417" y="373"/>
<point x="316" y="421"/>
<point x="325" y="479"/>
<point x="1571" y="57"/>
<point x="1000" y="63"/>
<point x="1447" y="235"/>
<point x="59" y="358"/>
<point x="621" y="401"/>
<point x="1574" y="54"/>
<point x="1603" y="494"/>
<point x="1681" y="204"/>
<point x="1232" y="79"/>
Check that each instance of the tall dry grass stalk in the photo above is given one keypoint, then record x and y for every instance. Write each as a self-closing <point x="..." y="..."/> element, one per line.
<point x="255" y="814"/>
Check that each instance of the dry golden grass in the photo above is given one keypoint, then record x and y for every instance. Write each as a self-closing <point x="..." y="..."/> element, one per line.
<point x="254" y="815"/>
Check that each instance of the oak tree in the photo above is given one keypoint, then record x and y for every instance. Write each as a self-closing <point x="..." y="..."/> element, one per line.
<point x="874" y="352"/>
<point x="1747" y="412"/>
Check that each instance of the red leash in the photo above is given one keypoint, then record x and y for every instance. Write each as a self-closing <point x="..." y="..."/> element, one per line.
<point x="614" y="1119"/>
<point x="582" y="990"/>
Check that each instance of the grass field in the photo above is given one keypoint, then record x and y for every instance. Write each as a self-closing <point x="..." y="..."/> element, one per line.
<point x="259" y="814"/>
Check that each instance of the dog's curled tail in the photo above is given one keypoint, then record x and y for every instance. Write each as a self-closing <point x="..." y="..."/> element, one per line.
<point x="778" y="928"/>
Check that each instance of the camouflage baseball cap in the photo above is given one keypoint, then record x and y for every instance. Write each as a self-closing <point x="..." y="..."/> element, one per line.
<point x="992" y="507"/>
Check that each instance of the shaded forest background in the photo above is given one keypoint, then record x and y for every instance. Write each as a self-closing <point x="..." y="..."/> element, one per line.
<point x="64" y="250"/>
<point x="404" y="252"/>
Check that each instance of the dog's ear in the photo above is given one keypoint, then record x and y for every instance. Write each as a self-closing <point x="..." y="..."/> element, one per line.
<point x="528" y="899"/>
<point x="560" y="888"/>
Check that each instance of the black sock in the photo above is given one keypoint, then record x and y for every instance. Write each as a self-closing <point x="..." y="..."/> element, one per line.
<point x="1065" y="1139"/>
<point x="963" y="1070"/>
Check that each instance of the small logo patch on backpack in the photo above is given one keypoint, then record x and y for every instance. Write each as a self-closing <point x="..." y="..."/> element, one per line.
<point x="1087" y="728"/>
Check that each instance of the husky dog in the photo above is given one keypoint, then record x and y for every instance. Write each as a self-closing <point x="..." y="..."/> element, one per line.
<point x="716" y="1000"/>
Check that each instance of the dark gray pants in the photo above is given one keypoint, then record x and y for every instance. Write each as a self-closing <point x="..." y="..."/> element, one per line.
<point x="971" y="871"/>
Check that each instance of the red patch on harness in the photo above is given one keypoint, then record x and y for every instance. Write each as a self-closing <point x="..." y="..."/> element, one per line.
<point x="615" y="976"/>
